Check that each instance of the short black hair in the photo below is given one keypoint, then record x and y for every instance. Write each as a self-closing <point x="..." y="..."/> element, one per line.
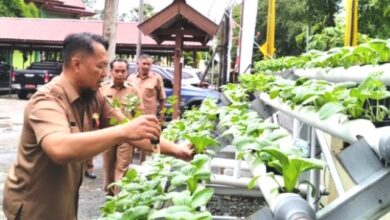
<point x="118" y="60"/>
<point x="81" y="42"/>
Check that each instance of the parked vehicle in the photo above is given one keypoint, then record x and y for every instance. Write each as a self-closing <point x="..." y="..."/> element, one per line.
<point x="190" y="95"/>
<point x="189" y="76"/>
<point x="4" y="77"/>
<point x="37" y="74"/>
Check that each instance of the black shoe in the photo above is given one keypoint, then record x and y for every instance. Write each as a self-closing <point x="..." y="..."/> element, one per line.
<point x="90" y="175"/>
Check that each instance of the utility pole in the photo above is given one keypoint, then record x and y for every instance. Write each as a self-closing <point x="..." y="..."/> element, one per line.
<point x="110" y="25"/>
<point x="224" y="62"/>
<point x="140" y="20"/>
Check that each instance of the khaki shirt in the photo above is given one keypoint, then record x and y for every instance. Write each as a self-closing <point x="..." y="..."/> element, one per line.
<point x="112" y="92"/>
<point x="151" y="90"/>
<point x="36" y="188"/>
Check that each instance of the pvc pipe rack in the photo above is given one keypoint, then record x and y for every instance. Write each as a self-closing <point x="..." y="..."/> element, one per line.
<point x="352" y="74"/>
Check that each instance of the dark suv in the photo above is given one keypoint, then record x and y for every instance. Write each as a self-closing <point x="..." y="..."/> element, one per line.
<point x="190" y="95"/>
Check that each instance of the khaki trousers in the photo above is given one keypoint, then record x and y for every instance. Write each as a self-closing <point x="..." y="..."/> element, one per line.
<point x="116" y="162"/>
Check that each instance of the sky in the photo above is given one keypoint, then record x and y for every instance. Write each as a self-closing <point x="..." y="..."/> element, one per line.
<point x="212" y="9"/>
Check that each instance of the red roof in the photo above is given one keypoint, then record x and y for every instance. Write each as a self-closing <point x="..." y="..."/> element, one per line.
<point x="53" y="31"/>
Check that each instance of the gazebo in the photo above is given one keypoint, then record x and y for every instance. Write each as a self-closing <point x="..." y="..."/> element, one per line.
<point x="179" y="22"/>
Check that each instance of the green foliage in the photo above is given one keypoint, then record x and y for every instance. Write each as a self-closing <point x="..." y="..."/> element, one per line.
<point x="329" y="37"/>
<point x="356" y="101"/>
<point x="291" y="167"/>
<point x="201" y="143"/>
<point x="171" y="100"/>
<point x="372" y="52"/>
<point x="292" y="19"/>
<point x="130" y="106"/>
<point x="133" y="15"/>
<point x="158" y="192"/>
<point x="199" y="122"/>
<point x="374" y="18"/>
<point x="18" y="8"/>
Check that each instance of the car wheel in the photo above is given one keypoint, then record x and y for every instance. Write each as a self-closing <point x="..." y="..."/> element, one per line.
<point x="22" y="94"/>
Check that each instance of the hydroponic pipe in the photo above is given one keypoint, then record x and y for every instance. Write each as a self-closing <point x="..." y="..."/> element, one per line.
<point x="284" y="206"/>
<point x="230" y="180"/>
<point x="291" y="206"/>
<point x="384" y="143"/>
<point x="352" y="74"/>
<point x="337" y="125"/>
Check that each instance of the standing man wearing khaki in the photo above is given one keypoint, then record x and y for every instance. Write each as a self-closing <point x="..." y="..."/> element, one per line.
<point x="151" y="88"/>
<point x="116" y="160"/>
<point x="60" y="132"/>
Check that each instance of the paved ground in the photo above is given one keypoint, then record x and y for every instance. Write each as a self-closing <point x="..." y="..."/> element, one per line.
<point x="11" y="119"/>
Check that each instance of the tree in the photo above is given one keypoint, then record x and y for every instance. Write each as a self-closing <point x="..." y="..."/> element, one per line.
<point x="18" y="8"/>
<point x="322" y="12"/>
<point x="148" y="12"/>
<point x="90" y="4"/>
<point x="374" y="18"/>
<point x="293" y="17"/>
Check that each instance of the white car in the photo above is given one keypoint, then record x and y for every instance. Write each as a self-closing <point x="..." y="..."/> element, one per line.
<point x="190" y="76"/>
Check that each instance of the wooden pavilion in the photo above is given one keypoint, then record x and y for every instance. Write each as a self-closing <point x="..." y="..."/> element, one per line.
<point x="179" y="22"/>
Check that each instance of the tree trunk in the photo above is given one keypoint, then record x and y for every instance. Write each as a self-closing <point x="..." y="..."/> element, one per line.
<point x="110" y="25"/>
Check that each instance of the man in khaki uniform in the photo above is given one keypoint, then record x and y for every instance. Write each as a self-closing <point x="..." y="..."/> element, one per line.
<point x="151" y="88"/>
<point x="59" y="134"/>
<point x="116" y="160"/>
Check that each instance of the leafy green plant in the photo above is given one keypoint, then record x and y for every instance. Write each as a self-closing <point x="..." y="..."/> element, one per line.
<point x="130" y="108"/>
<point x="201" y="143"/>
<point x="192" y="173"/>
<point x="185" y="205"/>
<point x="171" y="100"/>
<point x="290" y="167"/>
<point x="370" y="52"/>
<point x="156" y="193"/>
<point x="370" y="92"/>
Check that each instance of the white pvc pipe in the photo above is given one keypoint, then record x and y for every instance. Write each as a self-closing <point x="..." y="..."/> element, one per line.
<point x="337" y="125"/>
<point x="228" y="163"/>
<point x="237" y="169"/>
<point x="267" y="185"/>
<point x="352" y="74"/>
<point x="230" y="180"/>
<point x="282" y="204"/>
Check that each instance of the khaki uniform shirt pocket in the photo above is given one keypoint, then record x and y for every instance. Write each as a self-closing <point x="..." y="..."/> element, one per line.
<point x="149" y="92"/>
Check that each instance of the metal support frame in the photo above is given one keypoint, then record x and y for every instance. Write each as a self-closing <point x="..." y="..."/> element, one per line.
<point x="330" y="162"/>
<point x="314" y="175"/>
<point x="370" y="199"/>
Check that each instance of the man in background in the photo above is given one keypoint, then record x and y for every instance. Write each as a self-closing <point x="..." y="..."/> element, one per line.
<point x="151" y="89"/>
<point x="123" y="95"/>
